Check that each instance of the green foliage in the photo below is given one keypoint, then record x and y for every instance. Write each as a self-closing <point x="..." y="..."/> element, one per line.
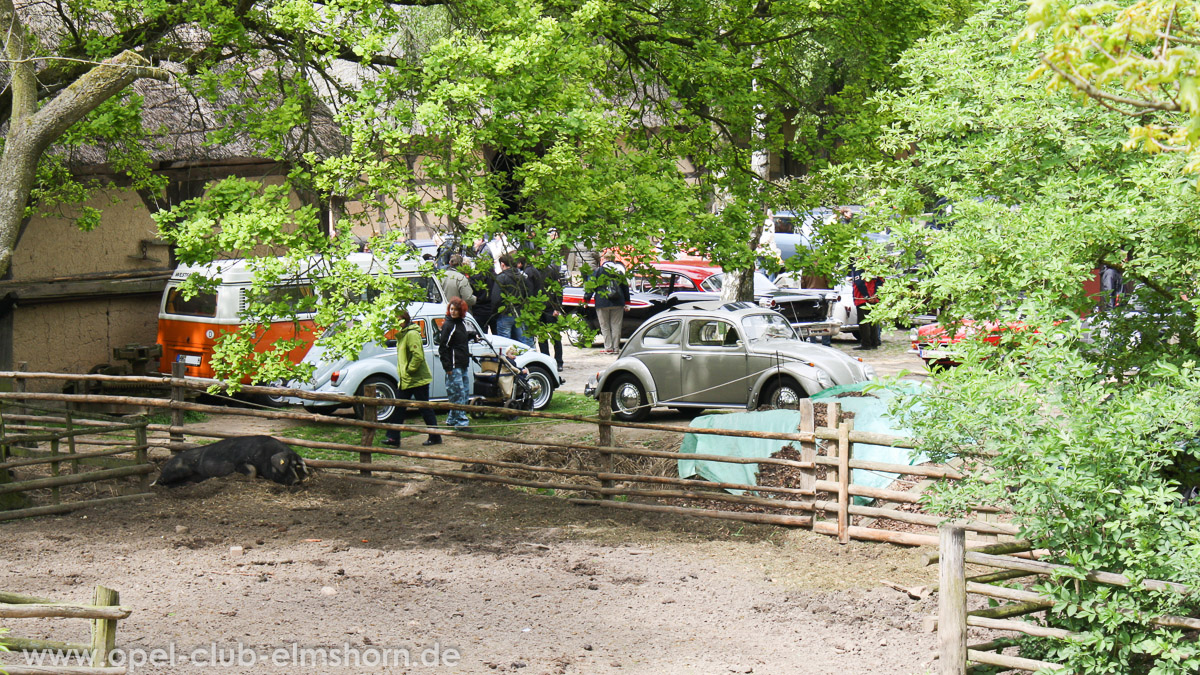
<point x="1086" y="418"/>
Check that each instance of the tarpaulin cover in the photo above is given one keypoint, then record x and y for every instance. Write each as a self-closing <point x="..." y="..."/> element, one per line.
<point x="870" y="411"/>
<point x="778" y="421"/>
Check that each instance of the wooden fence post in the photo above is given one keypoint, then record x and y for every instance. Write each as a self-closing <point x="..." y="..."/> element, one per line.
<point x="604" y="438"/>
<point x="104" y="631"/>
<point x="952" y="600"/>
<point x="370" y="414"/>
<point x="178" y="392"/>
<point x="832" y="415"/>
<point x="142" y="453"/>
<point x="844" y="449"/>
<point x="71" y="439"/>
<point x="54" y="471"/>
<point x="808" y="453"/>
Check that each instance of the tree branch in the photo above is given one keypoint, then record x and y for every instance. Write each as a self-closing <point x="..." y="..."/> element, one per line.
<point x="1102" y="97"/>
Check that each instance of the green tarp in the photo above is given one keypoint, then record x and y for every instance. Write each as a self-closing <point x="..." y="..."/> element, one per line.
<point x="870" y="415"/>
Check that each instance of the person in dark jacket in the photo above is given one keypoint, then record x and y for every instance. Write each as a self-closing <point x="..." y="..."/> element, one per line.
<point x="454" y="350"/>
<point x="482" y="282"/>
<point x="508" y="296"/>
<point x="534" y="292"/>
<point x="552" y="285"/>
<point x="611" y="291"/>
<point x="1111" y="286"/>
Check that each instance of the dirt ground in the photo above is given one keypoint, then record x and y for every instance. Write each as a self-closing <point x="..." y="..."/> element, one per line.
<point x="506" y="580"/>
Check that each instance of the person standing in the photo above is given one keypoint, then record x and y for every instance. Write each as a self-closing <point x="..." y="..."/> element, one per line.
<point x="552" y="282"/>
<point x="870" y="333"/>
<point x="611" y="291"/>
<point x="482" y="283"/>
<point x="455" y="283"/>
<point x="535" y="296"/>
<point x="1111" y="286"/>
<point x="413" y="377"/>
<point x="454" y="350"/>
<point x="508" y="296"/>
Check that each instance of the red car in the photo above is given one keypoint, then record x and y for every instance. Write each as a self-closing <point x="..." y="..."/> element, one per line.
<point x="933" y="343"/>
<point x="694" y="281"/>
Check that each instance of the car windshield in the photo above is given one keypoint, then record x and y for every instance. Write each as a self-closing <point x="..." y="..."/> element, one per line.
<point x="767" y="327"/>
<point x="762" y="285"/>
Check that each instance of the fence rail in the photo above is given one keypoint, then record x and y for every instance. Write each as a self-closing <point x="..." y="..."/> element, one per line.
<point x="104" y="612"/>
<point x="955" y="654"/>
<point x="820" y="499"/>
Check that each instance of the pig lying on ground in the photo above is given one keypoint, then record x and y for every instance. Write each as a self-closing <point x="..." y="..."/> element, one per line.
<point x="254" y="456"/>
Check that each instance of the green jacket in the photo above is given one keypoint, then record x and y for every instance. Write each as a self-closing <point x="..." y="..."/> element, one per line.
<point x="410" y="358"/>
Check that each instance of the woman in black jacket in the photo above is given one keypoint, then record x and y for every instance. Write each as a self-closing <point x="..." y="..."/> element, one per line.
<point x="455" y="352"/>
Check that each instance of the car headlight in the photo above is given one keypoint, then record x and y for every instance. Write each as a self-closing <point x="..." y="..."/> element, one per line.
<point x="868" y="371"/>
<point x="765" y="302"/>
<point x="823" y="378"/>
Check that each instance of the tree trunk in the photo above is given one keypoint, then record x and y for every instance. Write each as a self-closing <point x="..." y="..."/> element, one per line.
<point x="32" y="130"/>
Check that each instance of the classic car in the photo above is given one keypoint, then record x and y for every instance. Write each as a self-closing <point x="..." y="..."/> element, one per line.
<point x="715" y="355"/>
<point x="376" y="364"/>
<point x="680" y="282"/>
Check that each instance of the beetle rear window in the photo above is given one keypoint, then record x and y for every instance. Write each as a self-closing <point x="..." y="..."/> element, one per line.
<point x="662" y="335"/>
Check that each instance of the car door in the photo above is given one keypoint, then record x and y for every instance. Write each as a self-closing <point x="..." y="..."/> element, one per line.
<point x="429" y="334"/>
<point x="714" y="364"/>
<point x="661" y="350"/>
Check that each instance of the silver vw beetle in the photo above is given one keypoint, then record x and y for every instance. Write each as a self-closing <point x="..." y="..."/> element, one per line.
<point x="714" y="355"/>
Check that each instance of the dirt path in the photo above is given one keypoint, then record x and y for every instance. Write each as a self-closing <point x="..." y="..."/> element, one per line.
<point x="514" y="581"/>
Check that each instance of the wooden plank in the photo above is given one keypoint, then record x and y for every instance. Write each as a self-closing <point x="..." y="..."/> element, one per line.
<point x="32" y="645"/>
<point x="62" y="611"/>
<point x="767" y="518"/>
<point x="1017" y="626"/>
<point x="104" y="631"/>
<point x="68" y="507"/>
<point x="1038" y="567"/>
<point x="843" y="511"/>
<point x="808" y="454"/>
<point x="1011" y="662"/>
<point x="367" y="439"/>
<point x="952" y="601"/>
<point x="76" y="479"/>
<point x="604" y="436"/>
<point x="919" y="518"/>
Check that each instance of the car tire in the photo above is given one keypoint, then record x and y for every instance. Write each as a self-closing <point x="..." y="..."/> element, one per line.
<point x="783" y="393"/>
<point x="320" y="409"/>
<point x="629" y="399"/>
<point x="385" y="387"/>
<point x="541" y="385"/>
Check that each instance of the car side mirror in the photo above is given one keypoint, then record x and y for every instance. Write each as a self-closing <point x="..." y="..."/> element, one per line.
<point x="391" y="344"/>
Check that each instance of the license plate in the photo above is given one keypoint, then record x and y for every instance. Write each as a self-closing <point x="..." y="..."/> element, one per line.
<point x="188" y="359"/>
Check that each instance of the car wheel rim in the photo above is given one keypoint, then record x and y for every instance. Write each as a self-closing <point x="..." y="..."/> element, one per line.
<point x="539" y="390"/>
<point x="383" y="413"/>
<point x="786" y="397"/>
<point x="628" y="398"/>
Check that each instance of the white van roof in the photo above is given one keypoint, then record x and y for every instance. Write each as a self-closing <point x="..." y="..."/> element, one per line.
<point x="241" y="271"/>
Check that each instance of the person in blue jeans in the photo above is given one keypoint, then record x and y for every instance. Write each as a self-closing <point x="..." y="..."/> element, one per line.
<point x="508" y="294"/>
<point x="454" y="350"/>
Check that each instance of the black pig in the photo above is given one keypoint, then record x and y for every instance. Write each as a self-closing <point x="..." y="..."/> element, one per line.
<point x="254" y="456"/>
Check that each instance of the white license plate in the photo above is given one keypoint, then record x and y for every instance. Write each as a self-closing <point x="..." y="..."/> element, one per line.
<point x="188" y="359"/>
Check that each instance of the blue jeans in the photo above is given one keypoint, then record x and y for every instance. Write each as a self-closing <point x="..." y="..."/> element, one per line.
<point x="458" y="388"/>
<point x="506" y="326"/>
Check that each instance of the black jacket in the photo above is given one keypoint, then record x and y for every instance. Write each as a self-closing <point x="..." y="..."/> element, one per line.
<point x="510" y="283"/>
<point x="609" y="288"/>
<point x="454" y="344"/>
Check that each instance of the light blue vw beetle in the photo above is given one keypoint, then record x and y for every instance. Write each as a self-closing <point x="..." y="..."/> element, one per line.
<point x="376" y="364"/>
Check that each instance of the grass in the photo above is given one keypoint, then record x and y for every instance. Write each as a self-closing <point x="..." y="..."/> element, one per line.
<point x="189" y="417"/>
<point x="565" y="403"/>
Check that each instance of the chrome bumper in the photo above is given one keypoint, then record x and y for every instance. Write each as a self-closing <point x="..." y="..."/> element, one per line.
<point x="817" y="328"/>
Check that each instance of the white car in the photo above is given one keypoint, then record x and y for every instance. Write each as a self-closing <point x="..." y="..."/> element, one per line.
<point x="376" y="364"/>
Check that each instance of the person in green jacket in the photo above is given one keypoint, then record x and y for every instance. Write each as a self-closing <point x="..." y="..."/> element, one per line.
<point x="414" y="378"/>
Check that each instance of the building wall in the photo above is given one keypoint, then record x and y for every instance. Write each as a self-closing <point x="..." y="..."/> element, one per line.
<point x="72" y="337"/>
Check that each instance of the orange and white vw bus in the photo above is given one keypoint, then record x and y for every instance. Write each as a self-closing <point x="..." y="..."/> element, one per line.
<point x="188" y="329"/>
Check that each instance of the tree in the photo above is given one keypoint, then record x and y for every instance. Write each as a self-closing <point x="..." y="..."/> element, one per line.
<point x="1087" y="427"/>
<point x="1135" y="58"/>
<point x="548" y="122"/>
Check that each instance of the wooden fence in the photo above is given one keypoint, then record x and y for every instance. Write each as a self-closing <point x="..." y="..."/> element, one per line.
<point x="823" y="501"/>
<point x="63" y="444"/>
<point x="104" y="613"/>
<point x="956" y="655"/>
